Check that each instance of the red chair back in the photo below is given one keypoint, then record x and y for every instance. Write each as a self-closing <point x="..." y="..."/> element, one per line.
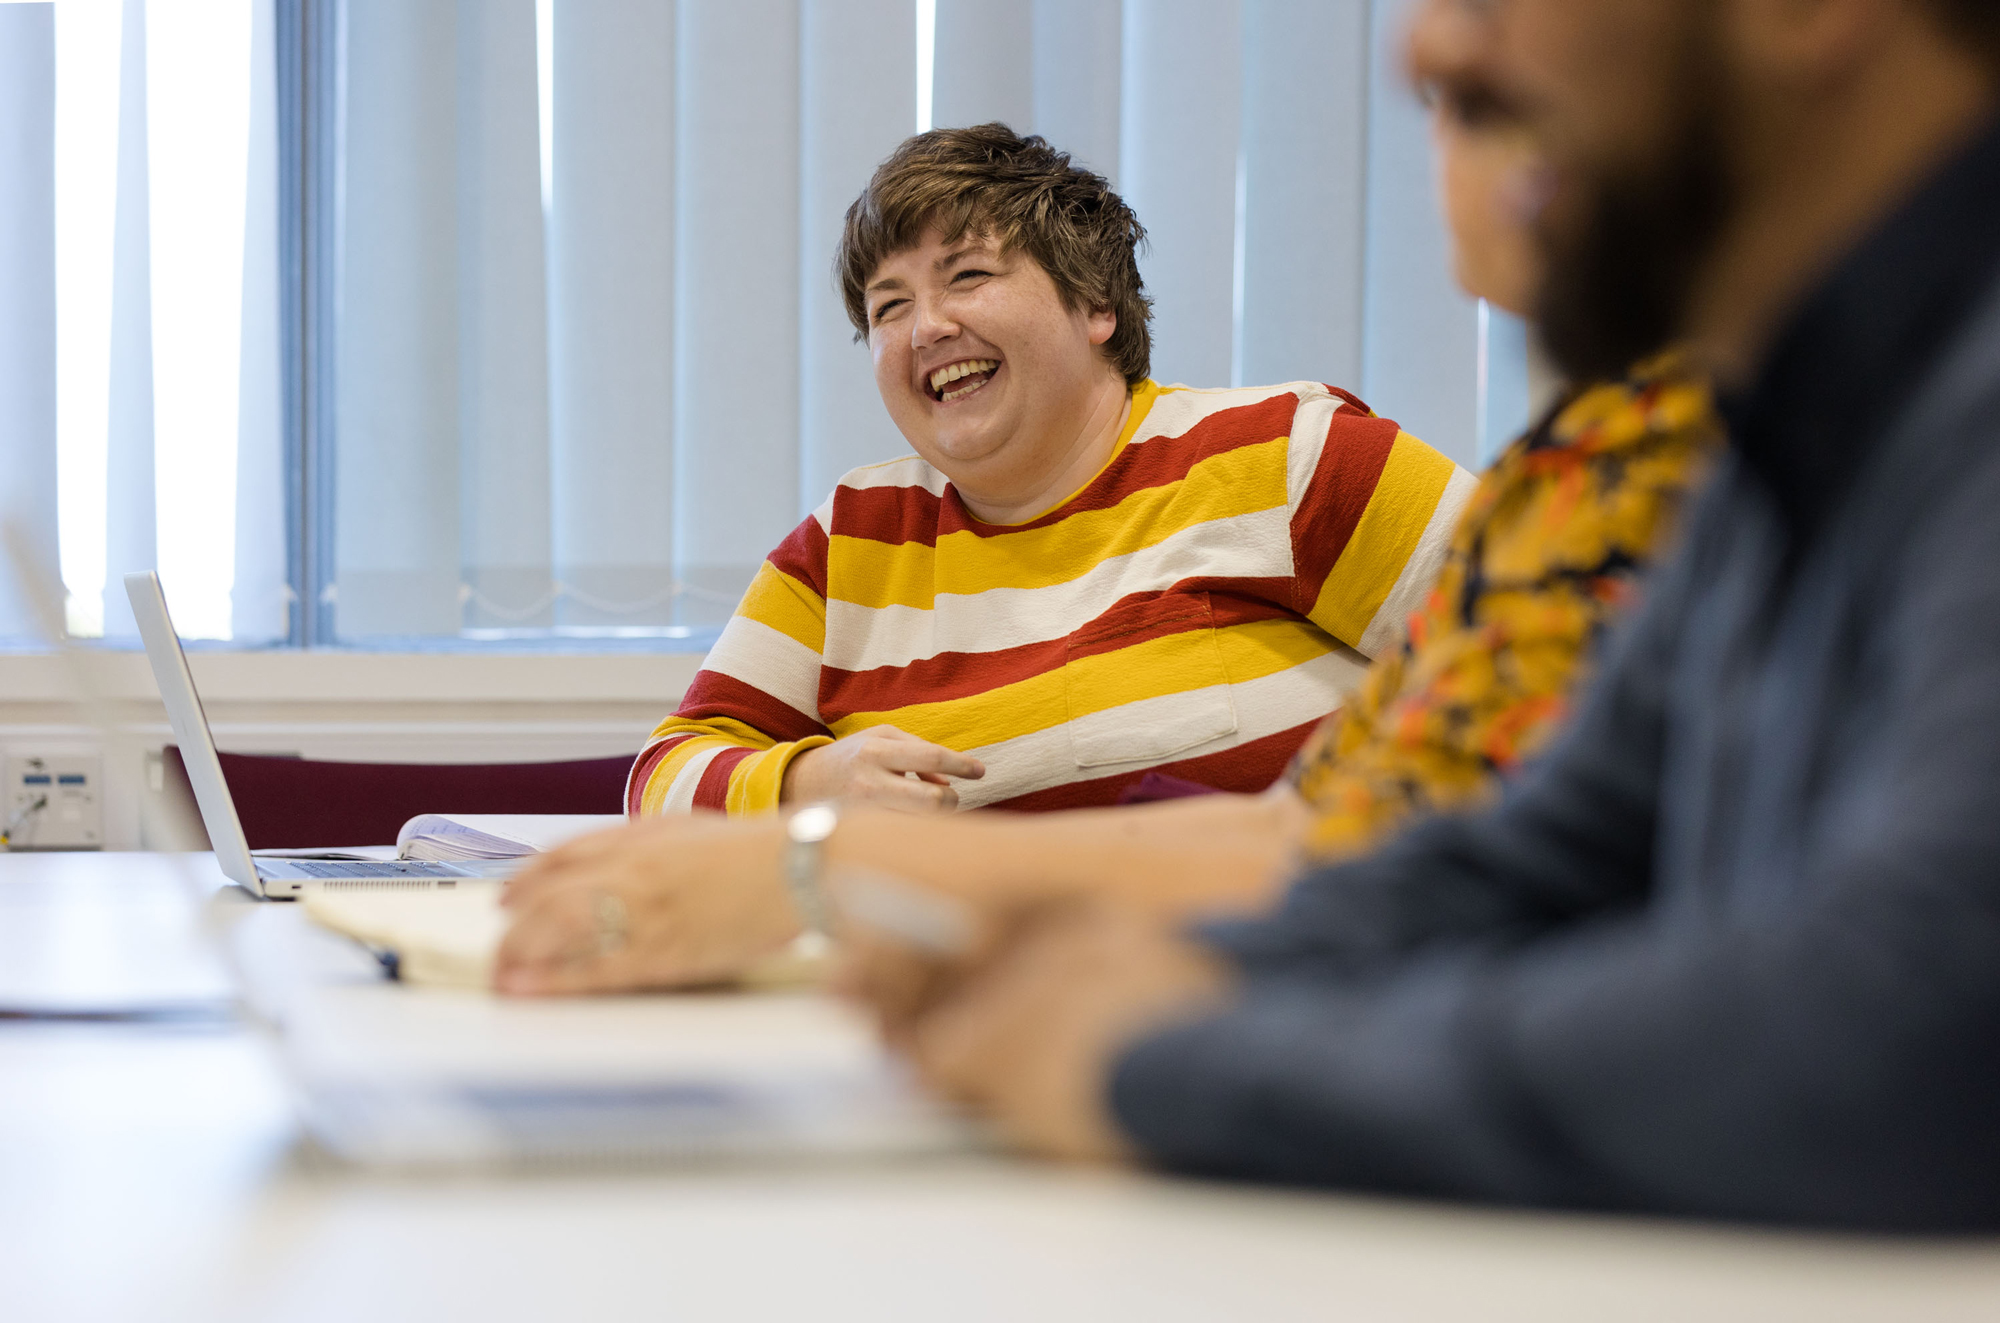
<point x="291" y="802"/>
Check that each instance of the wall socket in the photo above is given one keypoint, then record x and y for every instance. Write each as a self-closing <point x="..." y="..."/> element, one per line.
<point x="72" y="818"/>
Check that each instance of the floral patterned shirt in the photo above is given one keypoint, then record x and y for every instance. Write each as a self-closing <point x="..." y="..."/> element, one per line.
<point x="1544" y="559"/>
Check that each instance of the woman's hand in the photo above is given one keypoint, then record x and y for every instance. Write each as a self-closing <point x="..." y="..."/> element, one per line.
<point x="881" y="765"/>
<point x="670" y="902"/>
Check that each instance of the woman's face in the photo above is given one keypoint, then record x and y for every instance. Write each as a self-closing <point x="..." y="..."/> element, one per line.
<point x="982" y="367"/>
<point x="1491" y="180"/>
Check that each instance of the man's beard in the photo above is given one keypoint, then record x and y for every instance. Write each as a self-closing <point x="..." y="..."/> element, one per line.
<point x="1619" y="284"/>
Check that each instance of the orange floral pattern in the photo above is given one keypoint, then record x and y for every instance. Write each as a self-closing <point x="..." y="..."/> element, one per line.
<point x="1545" y="557"/>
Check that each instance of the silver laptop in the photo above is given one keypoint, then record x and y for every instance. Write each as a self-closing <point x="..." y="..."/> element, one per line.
<point x="265" y="875"/>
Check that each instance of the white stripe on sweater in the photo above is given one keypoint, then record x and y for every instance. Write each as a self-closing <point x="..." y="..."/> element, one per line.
<point x="1264" y="706"/>
<point x="1421" y="570"/>
<point x="1245" y="546"/>
<point x="769" y="660"/>
<point x="680" y="795"/>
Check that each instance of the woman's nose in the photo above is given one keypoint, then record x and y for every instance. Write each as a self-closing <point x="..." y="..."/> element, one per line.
<point x="931" y="325"/>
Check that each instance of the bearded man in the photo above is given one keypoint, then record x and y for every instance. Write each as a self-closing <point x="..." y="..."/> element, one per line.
<point x="1733" y="947"/>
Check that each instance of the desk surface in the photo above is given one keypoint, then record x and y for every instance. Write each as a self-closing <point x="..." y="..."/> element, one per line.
<point x="153" y="1169"/>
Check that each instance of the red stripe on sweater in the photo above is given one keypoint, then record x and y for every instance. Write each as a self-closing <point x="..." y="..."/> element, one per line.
<point x="714" y="694"/>
<point x="1357" y="448"/>
<point x="1132" y="619"/>
<point x="713" y="790"/>
<point x="896" y="515"/>
<point x="803" y="555"/>
<point x="1347" y="397"/>
<point x="1246" y="770"/>
<point x="642" y="771"/>
<point x="1152" y="463"/>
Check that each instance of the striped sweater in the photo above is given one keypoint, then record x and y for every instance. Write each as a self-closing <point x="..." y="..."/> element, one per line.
<point x="1195" y="608"/>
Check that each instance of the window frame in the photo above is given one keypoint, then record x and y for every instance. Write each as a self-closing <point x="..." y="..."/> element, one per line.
<point x="308" y="51"/>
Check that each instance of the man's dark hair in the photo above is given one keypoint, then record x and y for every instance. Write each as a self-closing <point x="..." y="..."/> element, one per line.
<point x="1027" y="196"/>
<point x="1976" y="23"/>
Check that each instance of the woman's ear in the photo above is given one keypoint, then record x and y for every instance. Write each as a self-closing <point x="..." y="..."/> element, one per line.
<point x="1101" y="323"/>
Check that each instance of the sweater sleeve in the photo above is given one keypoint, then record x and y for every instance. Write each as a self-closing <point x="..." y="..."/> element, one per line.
<point x="754" y="705"/>
<point x="1373" y="510"/>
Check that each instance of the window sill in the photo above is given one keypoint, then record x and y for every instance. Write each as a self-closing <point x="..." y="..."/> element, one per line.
<point x="320" y="677"/>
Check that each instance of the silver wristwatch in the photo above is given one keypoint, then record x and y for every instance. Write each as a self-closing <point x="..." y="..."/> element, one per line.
<point x="806" y="831"/>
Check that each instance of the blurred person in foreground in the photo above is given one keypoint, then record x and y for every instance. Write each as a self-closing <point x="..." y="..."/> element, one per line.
<point x="1732" y="947"/>
<point x="1543" y="558"/>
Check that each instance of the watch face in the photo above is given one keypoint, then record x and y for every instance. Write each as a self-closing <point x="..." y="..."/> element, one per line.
<point x="814" y="822"/>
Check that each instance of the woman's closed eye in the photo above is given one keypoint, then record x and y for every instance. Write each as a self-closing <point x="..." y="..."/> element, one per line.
<point x="883" y="309"/>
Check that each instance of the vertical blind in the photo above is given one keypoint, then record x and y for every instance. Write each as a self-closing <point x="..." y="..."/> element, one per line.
<point x="140" y="404"/>
<point x="588" y="363"/>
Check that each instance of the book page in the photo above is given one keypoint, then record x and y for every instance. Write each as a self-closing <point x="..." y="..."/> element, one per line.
<point x="457" y="836"/>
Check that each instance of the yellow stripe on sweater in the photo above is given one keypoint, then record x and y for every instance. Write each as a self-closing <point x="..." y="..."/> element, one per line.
<point x="877" y="574"/>
<point x="1406" y="496"/>
<point x="728" y="728"/>
<point x="756" y="783"/>
<point x="1174" y="664"/>
<point x="776" y="599"/>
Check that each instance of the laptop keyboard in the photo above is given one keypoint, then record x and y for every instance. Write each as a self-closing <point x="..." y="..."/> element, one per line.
<point x="373" y="868"/>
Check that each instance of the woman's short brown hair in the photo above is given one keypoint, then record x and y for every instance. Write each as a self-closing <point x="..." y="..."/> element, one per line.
<point x="1027" y="196"/>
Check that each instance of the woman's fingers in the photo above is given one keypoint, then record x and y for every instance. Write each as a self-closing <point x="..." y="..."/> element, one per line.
<point x="553" y="867"/>
<point x="930" y="759"/>
<point x="534" y="878"/>
<point x="899" y="751"/>
<point x="555" y="929"/>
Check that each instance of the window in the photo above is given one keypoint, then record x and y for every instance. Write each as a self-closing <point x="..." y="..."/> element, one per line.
<point x="140" y="413"/>
<point x="421" y="323"/>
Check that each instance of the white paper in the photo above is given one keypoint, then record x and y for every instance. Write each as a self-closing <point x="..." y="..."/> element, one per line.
<point x="454" y="837"/>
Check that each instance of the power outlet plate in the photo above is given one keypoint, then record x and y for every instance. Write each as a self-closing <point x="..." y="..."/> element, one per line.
<point x="73" y="817"/>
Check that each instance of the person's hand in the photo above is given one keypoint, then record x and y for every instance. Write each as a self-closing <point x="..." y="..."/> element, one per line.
<point x="1028" y="1026"/>
<point x="670" y="902"/>
<point x="880" y="764"/>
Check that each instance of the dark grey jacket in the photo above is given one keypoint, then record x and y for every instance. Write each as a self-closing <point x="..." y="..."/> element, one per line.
<point x="1733" y="948"/>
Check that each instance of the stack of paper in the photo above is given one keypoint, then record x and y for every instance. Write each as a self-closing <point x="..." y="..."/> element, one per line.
<point x="448" y="936"/>
<point x="458" y="837"/>
<point x="445" y="936"/>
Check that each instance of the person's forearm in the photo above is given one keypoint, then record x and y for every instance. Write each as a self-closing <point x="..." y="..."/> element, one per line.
<point x="1222" y="852"/>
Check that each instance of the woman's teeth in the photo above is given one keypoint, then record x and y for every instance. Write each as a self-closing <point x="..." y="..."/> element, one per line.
<point x="983" y="368"/>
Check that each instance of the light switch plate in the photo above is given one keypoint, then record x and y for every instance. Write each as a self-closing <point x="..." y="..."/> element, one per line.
<point x="73" y="817"/>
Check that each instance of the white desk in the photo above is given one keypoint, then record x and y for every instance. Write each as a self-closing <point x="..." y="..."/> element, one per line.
<point x="153" y="1171"/>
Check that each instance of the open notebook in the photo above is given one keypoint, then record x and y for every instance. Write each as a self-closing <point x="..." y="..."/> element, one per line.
<point x="458" y="837"/>
<point x="448" y="936"/>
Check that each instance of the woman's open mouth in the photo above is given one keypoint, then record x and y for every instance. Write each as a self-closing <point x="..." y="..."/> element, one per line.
<point x="955" y="381"/>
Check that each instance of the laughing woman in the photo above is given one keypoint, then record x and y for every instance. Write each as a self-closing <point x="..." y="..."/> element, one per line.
<point x="1080" y="576"/>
